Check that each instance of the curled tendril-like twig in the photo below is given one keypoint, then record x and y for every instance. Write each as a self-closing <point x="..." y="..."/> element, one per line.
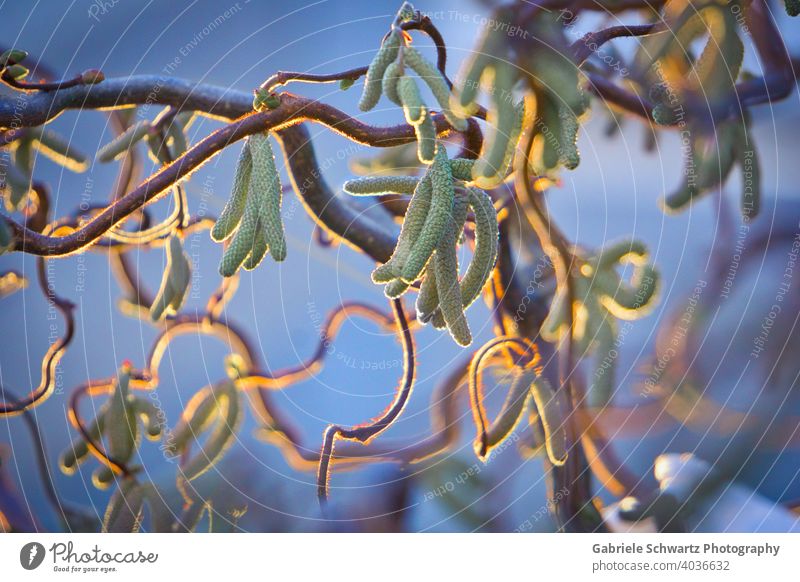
<point x="365" y="433"/>
<point x="54" y="353"/>
<point x="527" y="355"/>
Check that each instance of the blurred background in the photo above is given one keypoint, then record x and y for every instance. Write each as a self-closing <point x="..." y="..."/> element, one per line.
<point x="744" y="413"/>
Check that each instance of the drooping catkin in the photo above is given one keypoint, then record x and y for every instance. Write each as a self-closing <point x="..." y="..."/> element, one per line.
<point x="552" y="420"/>
<point x="175" y="282"/>
<point x="377" y="185"/>
<point x="242" y="242"/>
<point x="265" y="183"/>
<point x="486" y="244"/>
<point x="462" y="169"/>
<point x="390" y="78"/>
<point x="413" y="106"/>
<point x="124" y="510"/>
<point x="441" y="180"/>
<point x="426" y="140"/>
<point x="395" y="288"/>
<point x="223" y="435"/>
<point x="448" y="289"/>
<point x="374" y="79"/>
<point x="149" y="414"/>
<point x="195" y="418"/>
<point x="59" y="150"/>
<point x="78" y="450"/>
<point x="437" y="83"/>
<point x="232" y="213"/>
<point x="413" y="224"/>
<point x="488" y="172"/>
<point x="428" y="297"/>
<point x="602" y="381"/>
<point x="260" y="220"/>
<point x="123" y="142"/>
<point x="570" y="156"/>
<point x="122" y="429"/>
<point x="258" y="250"/>
<point x="465" y="95"/>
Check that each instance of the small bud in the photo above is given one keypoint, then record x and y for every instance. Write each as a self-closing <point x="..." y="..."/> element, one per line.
<point x="345" y="84"/>
<point x="92" y="77"/>
<point x="12" y="57"/>
<point x="15" y="72"/>
<point x="263" y="99"/>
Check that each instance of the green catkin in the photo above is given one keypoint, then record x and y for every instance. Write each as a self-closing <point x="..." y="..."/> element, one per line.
<point x="413" y="223"/>
<point x="395" y="288"/>
<point x="556" y="320"/>
<point x="197" y="416"/>
<point x="441" y="180"/>
<point x="462" y="169"/>
<point x="428" y="297"/>
<point x="512" y="409"/>
<point x="792" y="7"/>
<point x="516" y="131"/>
<point x="178" y="138"/>
<point x="121" y="516"/>
<point x="549" y="123"/>
<point x="718" y="164"/>
<point x="488" y="171"/>
<point x="602" y="383"/>
<point x="680" y="198"/>
<point x="175" y="283"/>
<point x="464" y="100"/>
<point x="390" y="78"/>
<point x="23" y="155"/>
<point x="434" y="79"/>
<point x="400" y="159"/>
<point x="426" y="140"/>
<point x="149" y="414"/>
<point x="122" y="429"/>
<point x="374" y="79"/>
<point x="552" y="420"/>
<point x="18" y="184"/>
<point x="223" y="435"/>
<point x="103" y="477"/>
<point x="234" y="208"/>
<point x="265" y="182"/>
<point x="59" y="150"/>
<point x="445" y="262"/>
<point x="79" y="448"/>
<point x="242" y="242"/>
<point x="413" y="106"/>
<point x="570" y="156"/>
<point x="258" y="251"/>
<point x="161" y="516"/>
<point x="191" y="516"/>
<point x="377" y="185"/>
<point x="123" y="142"/>
<point x="486" y="244"/>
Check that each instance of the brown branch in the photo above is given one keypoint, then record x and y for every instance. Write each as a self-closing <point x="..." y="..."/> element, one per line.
<point x="365" y="433"/>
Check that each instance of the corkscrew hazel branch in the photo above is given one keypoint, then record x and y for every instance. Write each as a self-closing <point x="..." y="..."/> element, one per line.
<point x="365" y="433"/>
<point x="54" y="353"/>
